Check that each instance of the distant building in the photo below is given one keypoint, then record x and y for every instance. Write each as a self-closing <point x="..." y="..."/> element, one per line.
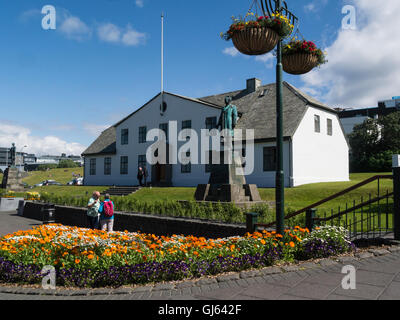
<point x="5" y="158"/>
<point x="351" y="117"/>
<point x="30" y="161"/>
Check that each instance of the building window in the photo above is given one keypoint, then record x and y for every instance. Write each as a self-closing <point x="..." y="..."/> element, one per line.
<point x="124" y="165"/>
<point x="107" y="166"/>
<point x="124" y="136"/>
<point x="186" y="168"/>
<point x="211" y="123"/>
<point x="329" y="127"/>
<point x="269" y="158"/>
<point x="142" y="161"/>
<point x="186" y="124"/>
<point x="164" y="127"/>
<point x="142" y="134"/>
<point x="92" y="167"/>
<point x="208" y="166"/>
<point x="317" y="123"/>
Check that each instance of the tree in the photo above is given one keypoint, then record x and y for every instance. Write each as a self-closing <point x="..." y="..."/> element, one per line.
<point x="374" y="142"/>
<point x="67" y="164"/>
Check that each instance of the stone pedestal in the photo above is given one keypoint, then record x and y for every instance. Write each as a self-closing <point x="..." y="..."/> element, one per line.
<point x="12" y="180"/>
<point x="227" y="183"/>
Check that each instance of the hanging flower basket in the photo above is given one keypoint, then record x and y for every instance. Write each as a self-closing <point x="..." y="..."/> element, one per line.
<point x="300" y="57"/>
<point x="260" y="36"/>
<point x="299" y="63"/>
<point x="255" y="41"/>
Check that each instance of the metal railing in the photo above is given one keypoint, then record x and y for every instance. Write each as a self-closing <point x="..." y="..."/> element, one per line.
<point x="373" y="216"/>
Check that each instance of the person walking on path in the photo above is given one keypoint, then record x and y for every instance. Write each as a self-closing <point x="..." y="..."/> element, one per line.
<point x="140" y="176"/>
<point x="93" y="210"/>
<point x="145" y="175"/>
<point x="107" y="214"/>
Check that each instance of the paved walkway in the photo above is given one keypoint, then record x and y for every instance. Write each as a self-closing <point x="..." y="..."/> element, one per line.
<point x="377" y="277"/>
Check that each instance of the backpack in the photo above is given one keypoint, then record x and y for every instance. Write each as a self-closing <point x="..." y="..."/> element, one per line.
<point x="108" y="209"/>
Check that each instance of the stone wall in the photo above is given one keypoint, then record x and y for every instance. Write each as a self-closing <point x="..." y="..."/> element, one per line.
<point x="133" y="222"/>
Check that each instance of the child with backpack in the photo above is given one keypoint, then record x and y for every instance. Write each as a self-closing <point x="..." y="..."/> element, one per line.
<point x="107" y="214"/>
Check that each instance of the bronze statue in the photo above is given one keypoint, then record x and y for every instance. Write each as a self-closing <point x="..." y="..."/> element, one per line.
<point x="13" y="155"/>
<point x="229" y="116"/>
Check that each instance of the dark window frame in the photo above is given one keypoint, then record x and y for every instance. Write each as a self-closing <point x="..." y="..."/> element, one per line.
<point x="269" y="159"/>
<point x="124" y="136"/>
<point x="142" y="134"/>
<point x="329" y="127"/>
<point x="142" y="160"/>
<point x="317" y="123"/>
<point x="124" y="163"/>
<point x="92" y="167"/>
<point x="164" y="127"/>
<point x="107" y="166"/>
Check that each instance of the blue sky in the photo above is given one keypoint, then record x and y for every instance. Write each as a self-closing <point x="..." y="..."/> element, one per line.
<point x="59" y="88"/>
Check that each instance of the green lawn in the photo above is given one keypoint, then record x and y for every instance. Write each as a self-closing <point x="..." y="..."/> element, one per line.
<point x="295" y="198"/>
<point x="60" y="175"/>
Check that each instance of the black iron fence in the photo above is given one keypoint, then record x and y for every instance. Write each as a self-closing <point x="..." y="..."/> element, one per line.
<point x="370" y="216"/>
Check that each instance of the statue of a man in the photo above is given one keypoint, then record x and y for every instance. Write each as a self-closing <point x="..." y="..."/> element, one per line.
<point x="13" y="154"/>
<point x="229" y="116"/>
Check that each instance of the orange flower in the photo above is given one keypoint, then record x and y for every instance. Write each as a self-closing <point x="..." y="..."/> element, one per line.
<point x="77" y="261"/>
<point x="291" y="243"/>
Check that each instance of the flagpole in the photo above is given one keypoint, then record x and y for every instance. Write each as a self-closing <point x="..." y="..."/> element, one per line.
<point x="162" y="52"/>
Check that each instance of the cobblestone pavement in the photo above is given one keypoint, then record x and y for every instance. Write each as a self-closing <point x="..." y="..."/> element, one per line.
<point x="377" y="278"/>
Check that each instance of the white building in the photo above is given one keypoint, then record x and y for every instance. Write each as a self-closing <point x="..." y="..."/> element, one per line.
<point x="352" y="117"/>
<point x="315" y="148"/>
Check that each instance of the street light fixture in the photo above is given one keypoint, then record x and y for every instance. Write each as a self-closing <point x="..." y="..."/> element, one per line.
<point x="21" y="156"/>
<point x="268" y="8"/>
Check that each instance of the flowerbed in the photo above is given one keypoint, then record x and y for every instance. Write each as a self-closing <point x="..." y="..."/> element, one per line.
<point x="93" y="258"/>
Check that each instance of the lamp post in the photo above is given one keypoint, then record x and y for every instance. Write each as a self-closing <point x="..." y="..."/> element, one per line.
<point x="268" y="8"/>
<point x="21" y="157"/>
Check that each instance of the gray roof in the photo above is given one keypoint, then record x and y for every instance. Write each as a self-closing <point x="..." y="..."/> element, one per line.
<point x="257" y="109"/>
<point x="104" y="144"/>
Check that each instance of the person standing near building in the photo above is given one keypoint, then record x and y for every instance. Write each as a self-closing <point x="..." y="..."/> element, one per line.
<point x="93" y="210"/>
<point x="145" y="175"/>
<point x="140" y="176"/>
<point x="107" y="214"/>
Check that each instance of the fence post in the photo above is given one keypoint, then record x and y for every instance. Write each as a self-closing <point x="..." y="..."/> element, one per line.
<point x="396" y="197"/>
<point x="310" y="215"/>
<point x="251" y="220"/>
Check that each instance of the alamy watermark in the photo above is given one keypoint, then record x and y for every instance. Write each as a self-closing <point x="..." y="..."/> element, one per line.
<point x="49" y="21"/>
<point x="349" y="281"/>
<point x="349" y="21"/>
<point x="49" y="278"/>
<point x="212" y="147"/>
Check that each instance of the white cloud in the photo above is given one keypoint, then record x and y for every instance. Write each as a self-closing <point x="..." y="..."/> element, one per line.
<point x="139" y="3"/>
<point x="30" y="14"/>
<point x="267" y="59"/>
<point x="315" y="5"/>
<point x="363" y="64"/>
<point x="22" y="136"/>
<point x="231" y="51"/>
<point x="95" y="129"/>
<point x="111" y="33"/>
<point x="74" y="28"/>
<point x="132" y="37"/>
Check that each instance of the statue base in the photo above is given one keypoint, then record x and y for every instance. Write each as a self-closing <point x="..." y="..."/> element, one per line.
<point x="227" y="183"/>
<point x="12" y="180"/>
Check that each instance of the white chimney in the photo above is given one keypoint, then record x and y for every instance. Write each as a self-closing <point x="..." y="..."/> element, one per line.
<point x="253" y="84"/>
